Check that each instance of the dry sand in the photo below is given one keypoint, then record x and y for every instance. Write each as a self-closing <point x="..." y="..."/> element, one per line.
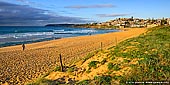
<point x="18" y="67"/>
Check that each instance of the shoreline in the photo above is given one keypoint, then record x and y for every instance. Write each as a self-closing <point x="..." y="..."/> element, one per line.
<point x="51" y="39"/>
<point x="18" y="46"/>
<point x="41" y="57"/>
<point x="30" y="41"/>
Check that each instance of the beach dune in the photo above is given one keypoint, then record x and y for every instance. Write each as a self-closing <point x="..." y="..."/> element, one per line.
<point x="18" y="66"/>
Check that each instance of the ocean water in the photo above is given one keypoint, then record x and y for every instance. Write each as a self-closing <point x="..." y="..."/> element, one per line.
<point x="15" y="35"/>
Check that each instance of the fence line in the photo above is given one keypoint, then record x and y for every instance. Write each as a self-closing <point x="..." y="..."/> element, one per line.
<point x="101" y="45"/>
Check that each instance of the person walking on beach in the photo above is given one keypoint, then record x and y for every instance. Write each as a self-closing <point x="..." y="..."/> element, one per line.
<point x="23" y="47"/>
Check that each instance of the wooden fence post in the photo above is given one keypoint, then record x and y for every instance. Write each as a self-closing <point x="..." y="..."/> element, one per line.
<point x="101" y="44"/>
<point x="116" y="40"/>
<point x="61" y="63"/>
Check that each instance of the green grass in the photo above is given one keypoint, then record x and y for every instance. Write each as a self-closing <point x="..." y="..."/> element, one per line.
<point x="116" y="67"/>
<point x="57" y="68"/>
<point x="93" y="64"/>
<point x="43" y="81"/>
<point x="98" y="80"/>
<point x="88" y="56"/>
<point x="154" y="48"/>
<point x="126" y="61"/>
<point x="84" y="82"/>
<point x="102" y="80"/>
<point x="112" y="66"/>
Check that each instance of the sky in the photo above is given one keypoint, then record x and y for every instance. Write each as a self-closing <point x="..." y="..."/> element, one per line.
<point x="42" y="12"/>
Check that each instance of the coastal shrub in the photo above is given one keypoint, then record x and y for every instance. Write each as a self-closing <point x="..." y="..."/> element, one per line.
<point x="103" y="80"/>
<point x="93" y="64"/>
<point x="57" y="68"/>
<point x="115" y="67"/>
<point x="117" y="77"/>
<point x="109" y="72"/>
<point x="126" y="61"/>
<point x="110" y="66"/>
<point x="84" y="82"/>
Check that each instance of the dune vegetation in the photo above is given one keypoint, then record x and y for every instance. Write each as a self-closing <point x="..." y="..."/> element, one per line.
<point x="142" y="59"/>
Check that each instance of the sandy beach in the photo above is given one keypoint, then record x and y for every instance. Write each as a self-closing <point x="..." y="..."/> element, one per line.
<point x="18" y="66"/>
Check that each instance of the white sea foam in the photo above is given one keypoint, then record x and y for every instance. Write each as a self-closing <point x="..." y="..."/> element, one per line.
<point x="62" y="31"/>
<point x="22" y="35"/>
<point x="58" y="30"/>
<point x="32" y="34"/>
<point x="77" y="31"/>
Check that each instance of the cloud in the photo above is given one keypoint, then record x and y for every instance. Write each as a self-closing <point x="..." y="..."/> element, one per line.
<point x="111" y="15"/>
<point x="25" y="1"/>
<point x="91" y="6"/>
<point x="12" y="14"/>
<point x="21" y="0"/>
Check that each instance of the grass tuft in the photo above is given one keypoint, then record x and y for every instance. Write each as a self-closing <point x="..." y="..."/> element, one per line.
<point x="88" y="56"/>
<point x="103" y="80"/>
<point x="93" y="64"/>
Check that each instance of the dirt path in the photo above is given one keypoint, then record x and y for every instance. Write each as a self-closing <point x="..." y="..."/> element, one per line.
<point x="18" y="67"/>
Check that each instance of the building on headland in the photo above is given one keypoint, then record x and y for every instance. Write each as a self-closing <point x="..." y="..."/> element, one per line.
<point x="151" y="25"/>
<point x="125" y="22"/>
<point x="168" y="21"/>
<point x="131" y="23"/>
<point x="121" y="26"/>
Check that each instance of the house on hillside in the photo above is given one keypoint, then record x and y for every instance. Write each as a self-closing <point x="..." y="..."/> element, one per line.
<point x="122" y="26"/>
<point x="151" y="25"/>
<point x="168" y="21"/>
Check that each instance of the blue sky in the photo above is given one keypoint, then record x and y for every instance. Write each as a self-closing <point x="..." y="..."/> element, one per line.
<point x="41" y="12"/>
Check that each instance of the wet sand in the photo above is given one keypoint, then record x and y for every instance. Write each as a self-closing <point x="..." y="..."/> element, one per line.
<point x="18" y="66"/>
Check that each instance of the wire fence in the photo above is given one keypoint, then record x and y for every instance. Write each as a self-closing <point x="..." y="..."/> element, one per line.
<point x="72" y="56"/>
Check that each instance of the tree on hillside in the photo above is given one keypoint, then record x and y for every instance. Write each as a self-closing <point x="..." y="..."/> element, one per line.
<point x="127" y="24"/>
<point x="163" y="22"/>
<point x="131" y="19"/>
